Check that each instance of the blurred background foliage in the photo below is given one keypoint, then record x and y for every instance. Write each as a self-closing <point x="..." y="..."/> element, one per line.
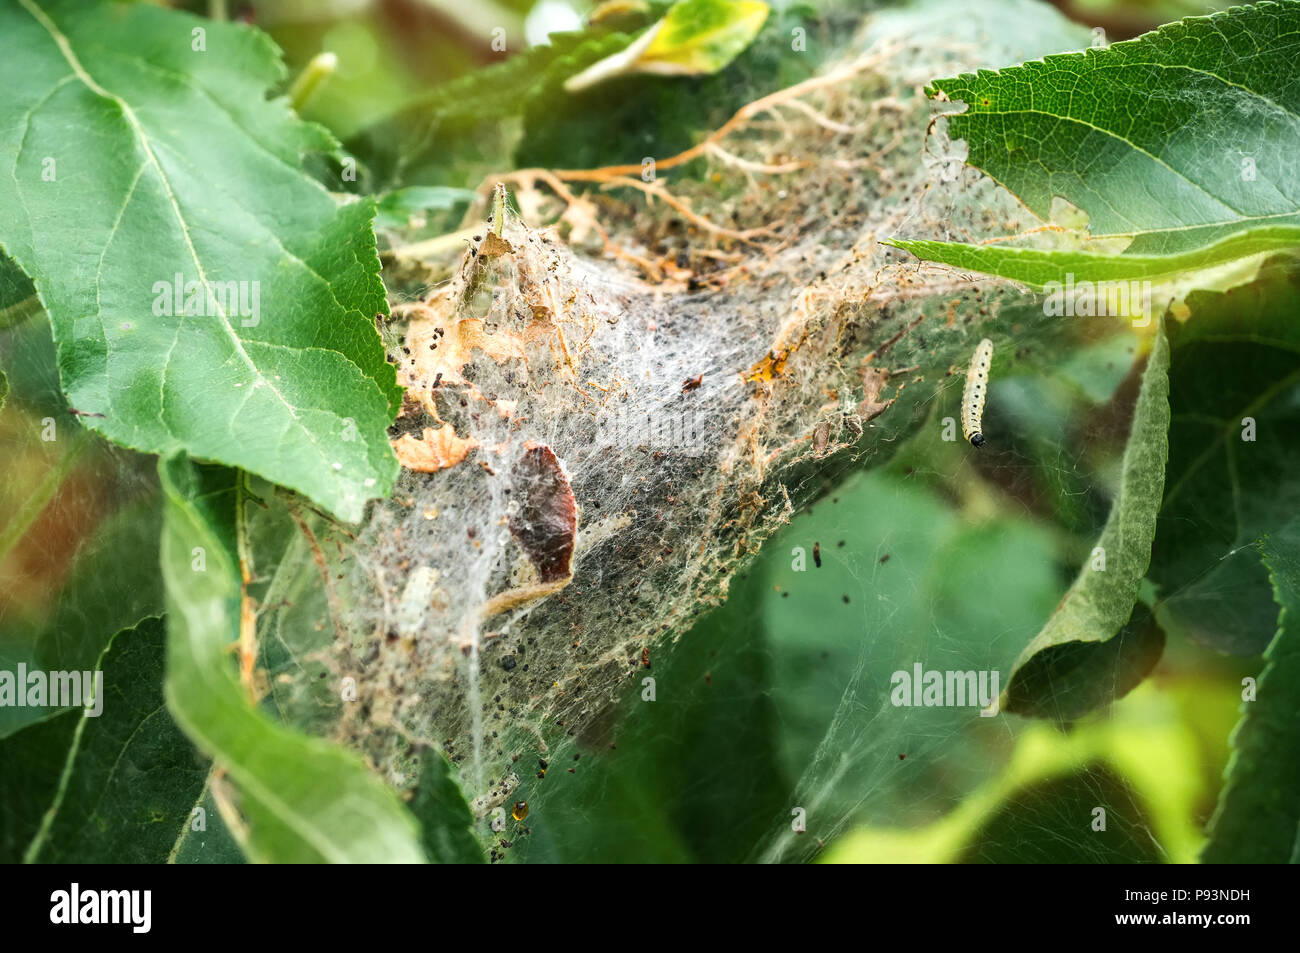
<point x="779" y="698"/>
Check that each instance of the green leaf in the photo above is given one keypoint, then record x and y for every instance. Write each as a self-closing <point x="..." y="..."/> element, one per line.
<point x="631" y="117"/>
<point x="499" y="91"/>
<point x="1233" y="459"/>
<point x="1184" y="143"/>
<point x="268" y="358"/>
<point x="445" y="819"/>
<point x="395" y="209"/>
<point x="131" y="777"/>
<point x="304" y="800"/>
<point x="18" y="299"/>
<point x="1257" y="820"/>
<point x="1045" y="270"/>
<point x="4" y="389"/>
<point x="697" y="37"/>
<point x="1057" y="674"/>
<point x="439" y="136"/>
<point x="461" y="131"/>
<point x="1068" y="679"/>
<point x="33" y="760"/>
<point x="703" y="36"/>
<point x="31" y="364"/>
<point x="213" y="845"/>
<point x="127" y="777"/>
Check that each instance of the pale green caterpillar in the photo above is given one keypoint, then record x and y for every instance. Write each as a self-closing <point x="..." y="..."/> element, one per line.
<point x="972" y="398"/>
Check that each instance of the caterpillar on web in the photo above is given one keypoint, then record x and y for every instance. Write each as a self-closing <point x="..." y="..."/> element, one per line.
<point x="972" y="398"/>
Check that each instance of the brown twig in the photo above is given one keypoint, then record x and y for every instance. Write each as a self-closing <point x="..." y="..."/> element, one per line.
<point x="318" y="556"/>
<point x="247" y="606"/>
<point x="628" y="175"/>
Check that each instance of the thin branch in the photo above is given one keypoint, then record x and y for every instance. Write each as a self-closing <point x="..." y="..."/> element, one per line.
<point x="247" y="607"/>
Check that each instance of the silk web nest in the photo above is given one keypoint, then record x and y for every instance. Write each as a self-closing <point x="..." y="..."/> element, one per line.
<point x="611" y="406"/>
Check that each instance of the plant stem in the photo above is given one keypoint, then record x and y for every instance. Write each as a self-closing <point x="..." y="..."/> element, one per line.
<point x="321" y="68"/>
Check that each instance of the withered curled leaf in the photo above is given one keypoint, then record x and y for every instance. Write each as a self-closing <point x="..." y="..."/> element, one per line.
<point x="546" y="524"/>
<point x="438" y="450"/>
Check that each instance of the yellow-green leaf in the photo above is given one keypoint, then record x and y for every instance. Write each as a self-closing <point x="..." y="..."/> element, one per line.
<point x="696" y="38"/>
